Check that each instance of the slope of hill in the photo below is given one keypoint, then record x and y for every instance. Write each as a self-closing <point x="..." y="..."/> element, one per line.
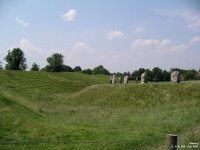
<point x="40" y="110"/>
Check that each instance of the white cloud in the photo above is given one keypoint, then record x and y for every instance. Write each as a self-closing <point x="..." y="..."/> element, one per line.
<point x="146" y="42"/>
<point x="195" y="39"/>
<point x="83" y="55"/>
<point x="70" y="15"/>
<point x="82" y="46"/>
<point x="156" y="46"/>
<point x="22" y="22"/>
<point x="32" y="52"/>
<point x="150" y="43"/>
<point x="193" y="21"/>
<point x="149" y="53"/>
<point x="116" y="34"/>
<point x="138" y="30"/>
<point x="145" y="53"/>
<point x="27" y="46"/>
<point x="178" y="48"/>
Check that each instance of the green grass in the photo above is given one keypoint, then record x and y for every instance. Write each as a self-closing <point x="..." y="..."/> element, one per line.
<point x="40" y="110"/>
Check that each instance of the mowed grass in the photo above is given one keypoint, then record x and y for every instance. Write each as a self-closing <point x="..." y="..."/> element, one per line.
<point x="40" y="110"/>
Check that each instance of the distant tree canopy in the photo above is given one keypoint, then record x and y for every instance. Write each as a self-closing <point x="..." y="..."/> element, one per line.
<point x="126" y="74"/>
<point x="157" y="74"/>
<point x="87" y="71"/>
<point x="190" y="74"/>
<point x="149" y="75"/>
<point x="35" y="67"/>
<point x="77" y="69"/>
<point x="166" y="75"/>
<point x="118" y="74"/>
<point x="1" y="66"/>
<point x="55" y="63"/>
<point x="137" y="73"/>
<point x="15" y="60"/>
<point x="100" y="70"/>
<point x="67" y="68"/>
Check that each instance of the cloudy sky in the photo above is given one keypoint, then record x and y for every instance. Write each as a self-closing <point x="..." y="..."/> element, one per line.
<point x="121" y="35"/>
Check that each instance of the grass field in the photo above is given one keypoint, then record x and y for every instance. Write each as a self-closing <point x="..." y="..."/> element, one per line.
<point x="40" y="110"/>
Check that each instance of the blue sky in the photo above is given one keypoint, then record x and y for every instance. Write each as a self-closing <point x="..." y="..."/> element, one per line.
<point x="121" y="35"/>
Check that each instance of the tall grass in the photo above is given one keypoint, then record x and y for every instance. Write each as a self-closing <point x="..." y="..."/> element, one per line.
<point x="75" y="111"/>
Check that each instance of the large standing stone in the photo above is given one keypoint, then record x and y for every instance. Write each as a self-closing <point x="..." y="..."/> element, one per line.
<point x="113" y="79"/>
<point x="175" y="77"/>
<point x="126" y="79"/>
<point x="144" y="78"/>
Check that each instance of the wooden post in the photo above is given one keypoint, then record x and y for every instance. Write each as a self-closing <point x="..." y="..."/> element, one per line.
<point x="171" y="142"/>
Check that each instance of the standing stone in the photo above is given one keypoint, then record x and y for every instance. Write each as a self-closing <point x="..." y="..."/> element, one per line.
<point x="113" y="79"/>
<point x="126" y="79"/>
<point x="120" y="79"/>
<point x="144" y="78"/>
<point x="175" y="77"/>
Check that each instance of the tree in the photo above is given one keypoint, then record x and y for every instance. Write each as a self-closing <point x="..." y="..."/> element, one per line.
<point x="16" y="60"/>
<point x="127" y="73"/>
<point x="137" y="73"/>
<point x="118" y="74"/>
<point x="1" y="66"/>
<point x="67" y="68"/>
<point x="165" y="75"/>
<point x="157" y="74"/>
<point x="100" y="70"/>
<point x="35" y="67"/>
<point x="149" y="75"/>
<point x="77" y="69"/>
<point x="190" y="74"/>
<point x="87" y="71"/>
<point x="55" y="63"/>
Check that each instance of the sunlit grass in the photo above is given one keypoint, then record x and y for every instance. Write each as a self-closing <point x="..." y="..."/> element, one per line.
<point x="73" y="110"/>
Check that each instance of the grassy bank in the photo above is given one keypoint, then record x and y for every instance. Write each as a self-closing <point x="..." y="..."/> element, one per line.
<point x="40" y="110"/>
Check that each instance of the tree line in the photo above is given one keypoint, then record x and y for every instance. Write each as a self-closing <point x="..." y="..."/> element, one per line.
<point x="55" y="63"/>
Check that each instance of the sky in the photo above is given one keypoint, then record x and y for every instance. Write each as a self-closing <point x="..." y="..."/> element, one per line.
<point x="122" y="35"/>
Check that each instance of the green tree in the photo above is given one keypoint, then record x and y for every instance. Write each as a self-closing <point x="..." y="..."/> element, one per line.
<point x="55" y="63"/>
<point x="1" y="66"/>
<point x="127" y="73"/>
<point x="35" y="67"/>
<point x="190" y="74"/>
<point x="77" y="69"/>
<point x="15" y="60"/>
<point x="149" y="75"/>
<point x="118" y="74"/>
<point x="137" y="73"/>
<point x="87" y="71"/>
<point x="157" y="74"/>
<point x="67" y="68"/>
<point x="100" y="70"/>
<point x="165" y="75"/>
